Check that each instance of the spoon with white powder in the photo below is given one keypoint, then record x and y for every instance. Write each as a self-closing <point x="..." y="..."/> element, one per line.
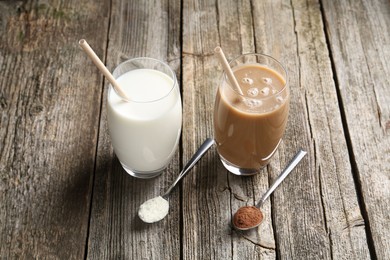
<point x="156" y="209"/>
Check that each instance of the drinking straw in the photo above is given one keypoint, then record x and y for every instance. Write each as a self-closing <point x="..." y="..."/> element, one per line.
<point x="92" y="55"/>
<point x="227" y="69"/>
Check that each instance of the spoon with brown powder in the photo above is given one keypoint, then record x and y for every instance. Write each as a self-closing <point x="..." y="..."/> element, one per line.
<point x="249" y="217"/>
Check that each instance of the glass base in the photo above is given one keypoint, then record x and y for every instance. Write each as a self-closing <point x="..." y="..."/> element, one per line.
<point x="142" y="174"/>
<point x="239" y="170"/>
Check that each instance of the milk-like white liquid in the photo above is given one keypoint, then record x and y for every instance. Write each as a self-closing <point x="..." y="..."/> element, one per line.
<point x="145" y="133"/>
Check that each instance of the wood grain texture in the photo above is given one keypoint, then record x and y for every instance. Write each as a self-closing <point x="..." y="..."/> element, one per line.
<point x="49" y="118"/>
<point x="64" y="195"/>
<point x="359" y="38"/>
<point x="147" y="28"/>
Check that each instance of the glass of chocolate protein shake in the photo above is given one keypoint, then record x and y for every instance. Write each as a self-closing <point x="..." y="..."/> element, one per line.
<point x="249" y="122"/>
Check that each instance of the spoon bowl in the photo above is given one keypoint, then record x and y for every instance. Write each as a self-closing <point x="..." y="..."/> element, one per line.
<point x="256" y="217"/>
<point x="245" y="217"/>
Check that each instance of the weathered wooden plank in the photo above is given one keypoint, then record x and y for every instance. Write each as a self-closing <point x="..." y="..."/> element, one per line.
<point x="359" y="36"/>
<point x="328" y="184"/>
<point x="206" y="199"/>
<point x="237" y="36"/>
<point x="212" y="196"/>
<point x="343" y="221"/>
<point x="274" y="30"/>
<point x="138" y="28"/>
<point x="50" y="105"/>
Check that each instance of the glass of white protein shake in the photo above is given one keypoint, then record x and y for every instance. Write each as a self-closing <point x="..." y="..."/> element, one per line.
<point x="145" y="128"/>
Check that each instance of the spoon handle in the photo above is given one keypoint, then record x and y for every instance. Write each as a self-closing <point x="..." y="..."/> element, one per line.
<point x="201" y="151"/>
<point x="294" y="162"/>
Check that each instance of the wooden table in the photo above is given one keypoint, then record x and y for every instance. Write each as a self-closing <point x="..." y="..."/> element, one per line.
<point x="63" y="194"/>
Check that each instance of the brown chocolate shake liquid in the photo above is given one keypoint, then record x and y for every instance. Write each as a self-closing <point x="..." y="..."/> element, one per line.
<point x="249" y="128"/>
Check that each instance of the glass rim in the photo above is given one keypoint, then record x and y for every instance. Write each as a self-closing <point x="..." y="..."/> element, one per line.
<point x="172" y="76"/>
<point x="225" y="78"/>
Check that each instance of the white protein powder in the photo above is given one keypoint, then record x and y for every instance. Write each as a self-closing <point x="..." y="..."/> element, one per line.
<point x="153" y="210"/>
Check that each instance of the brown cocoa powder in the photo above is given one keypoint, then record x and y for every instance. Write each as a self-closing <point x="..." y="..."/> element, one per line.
<point x="247" y="217"/>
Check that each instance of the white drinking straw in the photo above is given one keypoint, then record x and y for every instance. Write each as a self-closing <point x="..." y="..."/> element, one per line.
<point x="227" y="69"/>
<point x="85" y="46"/>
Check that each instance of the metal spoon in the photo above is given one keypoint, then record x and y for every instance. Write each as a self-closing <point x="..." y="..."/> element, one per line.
<point x="195" y="158"/>
<point x="255" y="212"/>
<point x="156" y="209"/>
